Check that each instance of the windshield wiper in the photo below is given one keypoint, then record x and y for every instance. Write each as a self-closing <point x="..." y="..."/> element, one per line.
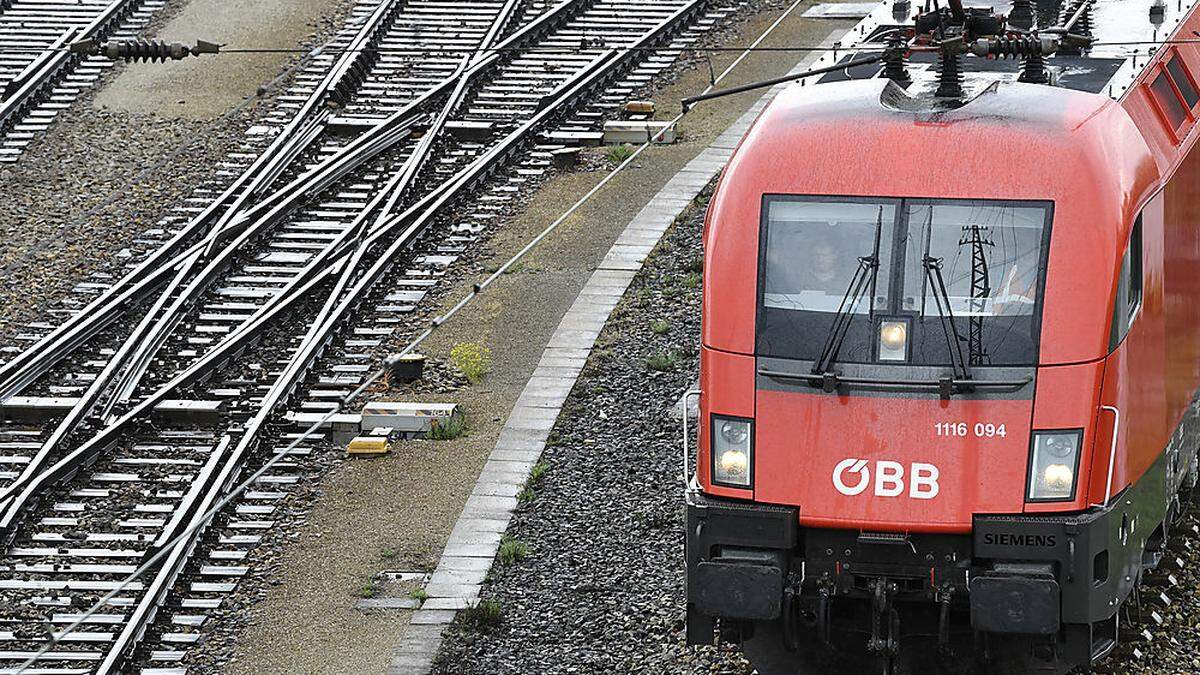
<point x="945" y="385"/>
<point x="941" y="298"/>
<point x="864" y="277"/>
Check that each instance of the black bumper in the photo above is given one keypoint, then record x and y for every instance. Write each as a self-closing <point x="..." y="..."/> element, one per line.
<point x="1015" y="574"/>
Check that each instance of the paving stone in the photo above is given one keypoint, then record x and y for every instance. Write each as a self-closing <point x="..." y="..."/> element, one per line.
<point x="496" y="489"/>
<point x="491" y="503"/>
<point x="509" y="466"/>
<point x="491" y="539"/>
<point x="501" y="454"/>
<point x="447" y="603"/>
<point x="452" y="590"/>
<point x="465" y="563"/>
<point x="470" y="550"/>
<point x="387" y="603"/>
<point x="544" y="370"/>
<point x="410" y="664"/>
<point x="461" y="577"/>
<point x="561" y="362"/>
<point x="479" y="525"/>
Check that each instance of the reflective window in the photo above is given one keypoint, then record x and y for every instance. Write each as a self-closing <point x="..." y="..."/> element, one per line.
<point x="988" y="257"/>
<point x="814" y="249"/>
<point x="1168" y="100"/>
<point x="1180" y="77"/>
<point x="971" y="268"/>
<point x="1129" y="288"/>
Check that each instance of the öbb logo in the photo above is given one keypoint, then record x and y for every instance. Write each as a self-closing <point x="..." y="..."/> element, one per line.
<point x="889" y="478"/>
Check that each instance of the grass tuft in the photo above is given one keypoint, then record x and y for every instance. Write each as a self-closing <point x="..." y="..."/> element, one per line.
<point x="448" y="429"/>
<point x="538" y="470"/>
<point x="659" y="327"/>
<point x="662" y="361"/>
<point x="369" y="589"/>
<point x="483" y="615"/>
<point x="526" y="495"/>
<point x="616" y="154"/>
<point x="512" y="550"/>
<point x="419" y="594"/>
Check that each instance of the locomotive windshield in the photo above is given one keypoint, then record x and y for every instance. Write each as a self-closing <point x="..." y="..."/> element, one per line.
<point x="971" y="264"/>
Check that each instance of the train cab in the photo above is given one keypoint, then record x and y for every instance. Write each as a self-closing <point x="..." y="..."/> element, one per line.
<point x="950" y="354"/>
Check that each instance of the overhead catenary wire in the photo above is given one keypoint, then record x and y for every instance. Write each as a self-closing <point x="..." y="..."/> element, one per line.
<point x="420" y="51"/>
<point x="203" y="519"/>
<point x="575" y="49"/>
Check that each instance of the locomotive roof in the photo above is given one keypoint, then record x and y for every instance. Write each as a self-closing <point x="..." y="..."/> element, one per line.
<point x="1122" y="29"/>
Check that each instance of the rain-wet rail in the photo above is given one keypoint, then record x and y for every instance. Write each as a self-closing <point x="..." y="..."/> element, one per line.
<point x="38" y="76"/>
<point x="272" y="292"/>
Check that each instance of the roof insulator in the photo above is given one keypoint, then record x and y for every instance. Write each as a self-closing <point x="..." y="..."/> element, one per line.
<point x="1021" y="15"/>
<point x="1158" y="12"/>
<point x="894" y="61"/>
<point x="950" y="76"/>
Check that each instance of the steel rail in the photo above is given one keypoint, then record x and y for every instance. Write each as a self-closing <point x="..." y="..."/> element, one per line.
<point x="22" y="89"/>
<point x="33" y="477"/>
<point x="55" y="59"/>
<point x="295" y="137"/>
<point x="336" y="308"/>
<point x="320" y="332"/>
<point x="13" y="497"/>
<point x="155" y="333"/>
<point x="133" y="357"/>
<point x="346" y="73"/>
<point x="26" y="367"/>
<point x="78" y="412"/>
<point x="337" y="248"/>
<point x="386" y="197"/>
<point x="188" y="538"/>
<point x="306" y="126"/>
<point x="423" y="212"/>
<point x="151" y="273"/>
<point x="339" y="303"/>
<point x="418" y="217"/>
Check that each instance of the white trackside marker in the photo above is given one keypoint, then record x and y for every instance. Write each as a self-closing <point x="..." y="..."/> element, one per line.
<point x="889" y="478"/>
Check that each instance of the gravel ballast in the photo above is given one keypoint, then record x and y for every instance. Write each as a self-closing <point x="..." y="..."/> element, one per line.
<point x="601" y="587"/>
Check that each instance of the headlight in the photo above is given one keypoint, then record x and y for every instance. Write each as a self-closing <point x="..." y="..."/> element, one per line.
<point x="732" y="451"/>
<point x="893" y="340"/>
<point x="1052" y="465"/>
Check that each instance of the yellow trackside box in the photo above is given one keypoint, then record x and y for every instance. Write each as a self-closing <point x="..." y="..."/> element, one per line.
<point x="368" y="445"/>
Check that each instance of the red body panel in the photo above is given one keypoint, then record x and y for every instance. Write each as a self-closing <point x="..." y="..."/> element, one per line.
<point x="1101" y="162"/>
<point x="735" y="372"/>
<point x="810" y="434"/>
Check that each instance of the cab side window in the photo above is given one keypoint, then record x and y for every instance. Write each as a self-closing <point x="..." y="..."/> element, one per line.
<point x="1129" y="288"/>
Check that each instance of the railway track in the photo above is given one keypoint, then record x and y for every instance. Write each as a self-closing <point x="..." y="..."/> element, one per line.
<point x="38" y="76"/>
<point x="274" y="292"/>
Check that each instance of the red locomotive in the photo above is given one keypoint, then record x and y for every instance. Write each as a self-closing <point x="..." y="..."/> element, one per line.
<point x="951" y="340"/>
